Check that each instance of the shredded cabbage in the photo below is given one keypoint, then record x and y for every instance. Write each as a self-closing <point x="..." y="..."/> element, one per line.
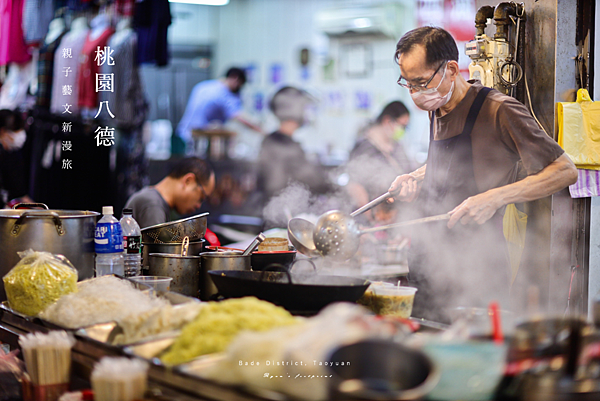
<point x="38" y="280"/>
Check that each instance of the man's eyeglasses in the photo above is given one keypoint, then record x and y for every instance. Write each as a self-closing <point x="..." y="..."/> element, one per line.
<point x="418" y="88"/>
<point x="204" y="194"/>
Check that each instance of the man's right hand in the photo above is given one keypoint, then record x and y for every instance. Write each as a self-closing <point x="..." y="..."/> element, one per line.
<point x="405" y="188"/>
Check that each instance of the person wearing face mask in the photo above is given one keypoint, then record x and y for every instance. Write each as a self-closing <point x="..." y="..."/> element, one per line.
<point x="13" y="171"/>
<point x="282" y="160"/>
<point x="379" y="156"/>
<point x="481" y="143"/>
<point x="214" y="101"/>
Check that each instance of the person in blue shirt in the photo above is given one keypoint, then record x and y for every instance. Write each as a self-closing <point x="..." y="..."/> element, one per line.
<point x="214" y="101"/>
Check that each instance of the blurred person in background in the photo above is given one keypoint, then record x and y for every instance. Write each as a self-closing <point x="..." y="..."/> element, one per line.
<point x="214" y="101"/>
<point x="189" y="182"/>
<point x="481" y="142"/>
<point x="13" y="171"/>
<point x="282" y="160"/>
<point x="379" y="156"/>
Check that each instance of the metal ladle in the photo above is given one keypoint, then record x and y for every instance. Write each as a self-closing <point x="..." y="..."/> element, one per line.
<point x="259" y="238"/>
<point x="338" y="236"/>
<point x="300" y="231"/>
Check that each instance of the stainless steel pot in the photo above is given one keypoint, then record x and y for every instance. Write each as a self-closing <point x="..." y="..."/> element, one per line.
<point x="185" y="271"/>
<point x="66" y="232"/>
<point x="219" y="261"/>
<point x="194" y="249"/>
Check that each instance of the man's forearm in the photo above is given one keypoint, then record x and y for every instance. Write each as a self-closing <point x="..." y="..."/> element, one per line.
<point x="554" y="177"/>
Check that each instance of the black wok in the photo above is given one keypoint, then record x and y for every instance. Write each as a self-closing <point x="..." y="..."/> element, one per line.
<point x="305" y="292"/>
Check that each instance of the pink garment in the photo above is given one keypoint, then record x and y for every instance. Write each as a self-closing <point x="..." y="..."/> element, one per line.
<point x="12" y="40"/>
<point x="88" y="68"/>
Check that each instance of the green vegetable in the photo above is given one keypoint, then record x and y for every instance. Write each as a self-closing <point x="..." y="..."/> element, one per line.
<point x="218" y="323"/>
<point x="38" y="280"/>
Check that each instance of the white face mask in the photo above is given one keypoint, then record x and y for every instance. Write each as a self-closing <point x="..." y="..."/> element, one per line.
<point x="430" y="99"/>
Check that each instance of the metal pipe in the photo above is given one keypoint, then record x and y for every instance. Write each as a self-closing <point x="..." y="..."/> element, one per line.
<point x="483" y="14"/>
<point x="502" y="19"/>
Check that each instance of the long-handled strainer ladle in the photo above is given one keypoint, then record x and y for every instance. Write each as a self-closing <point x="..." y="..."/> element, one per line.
<point x="300" y="231"/>
<point x="338" y="236"/>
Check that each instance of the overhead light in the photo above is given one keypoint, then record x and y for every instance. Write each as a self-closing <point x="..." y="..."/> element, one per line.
<point x="362" y="22"/>
<point x="203" y="2"/>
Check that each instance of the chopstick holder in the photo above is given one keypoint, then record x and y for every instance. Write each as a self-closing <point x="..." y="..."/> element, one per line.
<point x="119" y="379"/>
<point x="48" y="362"/>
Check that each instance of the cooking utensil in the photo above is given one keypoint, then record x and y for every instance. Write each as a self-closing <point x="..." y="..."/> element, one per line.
<point x="66" y="232"/>
<point x="221" y="261"/>
<point x="371" y="204"/>
<point x="300" y="233"/>
<point x="185" y="245"/>
<point x="185" y="271"/>
<point x="174" y="231"/>
<point x="259" y="238"/>
<point x="380" y="370"/>
<point x="194" y="249"/>
<point x="338" y="235"/>
<point x="294" y="292"/>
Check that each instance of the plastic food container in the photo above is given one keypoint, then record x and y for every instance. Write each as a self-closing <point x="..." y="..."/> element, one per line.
<point x="158" y="283"/>
<point x="393" y="300"/>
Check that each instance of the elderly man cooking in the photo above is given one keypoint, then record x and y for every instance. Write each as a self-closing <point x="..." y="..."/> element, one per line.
<point x="481" y="142"/>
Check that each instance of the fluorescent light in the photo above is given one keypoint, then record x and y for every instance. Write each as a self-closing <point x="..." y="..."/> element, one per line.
<point x="362" y="22"/>
<point x="202" y="2"/>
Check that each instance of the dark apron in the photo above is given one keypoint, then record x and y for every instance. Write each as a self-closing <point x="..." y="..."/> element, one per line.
<point x="466" y="265"/>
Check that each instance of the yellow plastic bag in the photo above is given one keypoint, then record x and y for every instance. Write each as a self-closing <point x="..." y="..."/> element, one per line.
<point x="579" y="130"/>
<point x="514" y="225"/>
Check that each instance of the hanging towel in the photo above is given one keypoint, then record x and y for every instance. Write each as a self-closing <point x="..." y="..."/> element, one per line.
<point x="588" y="184"/>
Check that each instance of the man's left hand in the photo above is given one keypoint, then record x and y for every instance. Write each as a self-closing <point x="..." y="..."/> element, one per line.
<point x="475" y="209"/>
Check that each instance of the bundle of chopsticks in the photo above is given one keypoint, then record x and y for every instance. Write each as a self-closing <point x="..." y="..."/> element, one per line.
<point x="119" y="379"/>
<point x="47" y="357"/>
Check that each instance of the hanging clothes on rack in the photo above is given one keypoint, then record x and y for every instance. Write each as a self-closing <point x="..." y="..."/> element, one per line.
<point x="12" y="42"/>
<point x="128" y="97"/>
<point x="46" y="62"/>
<point x="66" y="67"/>
<point x="151" y="20"/>
<point x="98" y="36"/>
<point x="37" y="15"/>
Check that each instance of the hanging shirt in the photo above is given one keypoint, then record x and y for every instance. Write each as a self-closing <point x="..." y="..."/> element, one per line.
<point x="46" y="72"/>
<point x="88" y="68"/>
<point x="128" y="95"/>
<point x="37" y="15"/>
<point x="209" y="101"/>
<point x="12" y="43"/>
<point x="63" y="78"/>
<point x="152" y="19"/>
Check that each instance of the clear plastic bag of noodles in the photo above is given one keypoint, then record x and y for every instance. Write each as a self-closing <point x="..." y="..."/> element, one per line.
<point x="38" y="280"/>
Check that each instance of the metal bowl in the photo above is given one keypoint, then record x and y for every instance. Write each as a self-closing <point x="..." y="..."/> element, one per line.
<point x="172" y="232"/>
<point x="380" y="370"/>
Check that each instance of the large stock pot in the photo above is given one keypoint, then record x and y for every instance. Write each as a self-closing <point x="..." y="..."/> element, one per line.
<point x="66" y="232"/>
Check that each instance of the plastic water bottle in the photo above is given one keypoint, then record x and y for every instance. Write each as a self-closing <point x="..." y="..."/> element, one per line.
<point x="108" y="239"/>
<point x="132" y="244"/>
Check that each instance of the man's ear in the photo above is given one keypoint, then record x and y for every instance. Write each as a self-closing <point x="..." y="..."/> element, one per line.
<point x="453" y="67"/>
<point x="189" y="178"/>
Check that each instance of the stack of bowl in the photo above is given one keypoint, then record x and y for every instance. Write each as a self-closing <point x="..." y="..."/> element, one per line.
<point x="162" y="249"/>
